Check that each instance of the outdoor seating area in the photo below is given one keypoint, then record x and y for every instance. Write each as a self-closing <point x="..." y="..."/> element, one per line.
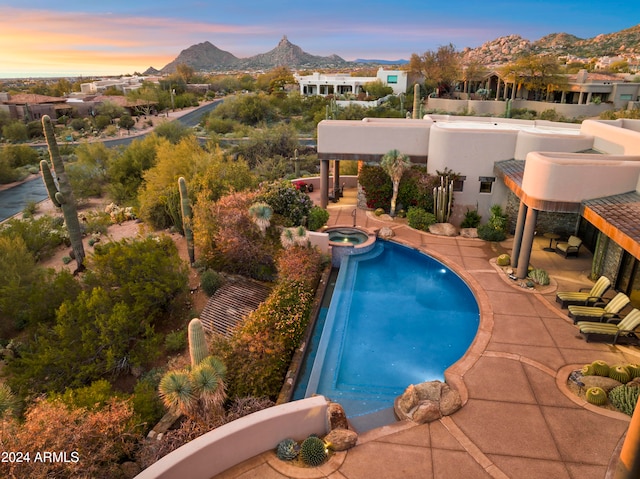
<point x="569" y="248"/>
<point x="584" y="296"/>
<point x="601" y="312"/>
<point x="622" y="333"/>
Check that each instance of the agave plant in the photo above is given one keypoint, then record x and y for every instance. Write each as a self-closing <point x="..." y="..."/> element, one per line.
<point x="177" y="392"/>
<point x="209" y="387"/>
<point x="261" y="215"/>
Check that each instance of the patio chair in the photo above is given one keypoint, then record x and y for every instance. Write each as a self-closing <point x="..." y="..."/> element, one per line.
<point x="599" y="313"/>
<point x="584" y="297"/>
<point x="570" y="247"/>
<point x="621" y="333"/>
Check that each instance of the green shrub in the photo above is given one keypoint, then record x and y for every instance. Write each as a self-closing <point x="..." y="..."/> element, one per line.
<point x="471" y="219"/>
<point x="210" y="281"/>
<point x="146" y="403"/>
<point x="420" y="219"/>
<point x="289" y="203"/>
<point x="539" y="276"/>
<point x="496" y="228"/>
<point x="377" y="187"/>
<point x="175" y="341"/>
<point x="318" y="217"/>
<point x="92" y="397"/>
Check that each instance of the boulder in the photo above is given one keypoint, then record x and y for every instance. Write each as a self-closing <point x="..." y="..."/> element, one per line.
<point x="341" y="439"/>
<point x="450" y="401"/>
<point x="599" y="381"/>
<point x="408" y="400"/>
<point x="337" y="417"/>
<point x="386" y="233"/>
<point x="469" y="232"/>
<point x="443" y="229"/>
<point x="429" y="391"/>
<point x="427" y="411"/>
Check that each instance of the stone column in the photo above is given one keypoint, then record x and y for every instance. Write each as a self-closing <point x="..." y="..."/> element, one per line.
<point x="324" y="183"/>
<point x="517" y="240"/>
<point x="527" y="243"/>
<point x="498" y="90"/>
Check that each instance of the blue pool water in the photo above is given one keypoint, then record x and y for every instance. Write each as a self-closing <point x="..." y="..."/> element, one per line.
<point x="396" y="317"/>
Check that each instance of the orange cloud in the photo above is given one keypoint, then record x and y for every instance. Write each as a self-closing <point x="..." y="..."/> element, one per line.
<point x="44" y="41"/>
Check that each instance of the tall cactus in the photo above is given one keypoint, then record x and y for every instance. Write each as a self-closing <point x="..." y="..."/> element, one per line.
<point x="416" y="101"/>
<point x="443" y="199"/>
<point x="185" y="204"/>
<point x="198" y="349"/>
<point x="61" y="194"/>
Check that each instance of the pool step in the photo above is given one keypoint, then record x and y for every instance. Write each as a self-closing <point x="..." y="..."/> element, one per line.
<point x="231" y="304"/>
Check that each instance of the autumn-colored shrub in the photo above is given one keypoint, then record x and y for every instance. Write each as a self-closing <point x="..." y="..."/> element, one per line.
<point x="87" y="444"/>
<point x="290" y="204"/>
<point x="300" y="264"/>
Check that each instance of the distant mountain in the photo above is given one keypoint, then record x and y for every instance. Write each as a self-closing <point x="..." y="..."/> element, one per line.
<point x="506" y="49"/>
<point x="381" y="62"/>
<point x="151" y="71"/>
<point x="203" y="57"/>
<point x="207" y="57"/>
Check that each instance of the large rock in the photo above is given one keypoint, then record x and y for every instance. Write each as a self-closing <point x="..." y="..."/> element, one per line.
<point x="599" y="381"/>
<point x="443" y="229"/>
<point x="450" y="400"/>
<point x="341" y="439"/>
<point x="408" y="400"/>
<point x="337" y="417"/>
<point x="469" y="232"/>
<point x="429" y="391"/>
<point x="427" y="411"/>
<point x="386" y="233"/>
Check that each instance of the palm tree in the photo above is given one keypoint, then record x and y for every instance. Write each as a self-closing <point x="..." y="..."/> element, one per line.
<point x="395" y="164"/>
<point x="261" y="214"/>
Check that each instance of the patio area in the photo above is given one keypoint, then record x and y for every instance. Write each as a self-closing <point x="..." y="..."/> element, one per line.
<point x="519" y="420"/>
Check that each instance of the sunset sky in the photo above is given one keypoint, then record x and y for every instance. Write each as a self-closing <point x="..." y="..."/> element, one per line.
<point x="70" y="37"/>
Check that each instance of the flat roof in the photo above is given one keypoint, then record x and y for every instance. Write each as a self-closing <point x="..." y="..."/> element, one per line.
<point x="473" y="125"/>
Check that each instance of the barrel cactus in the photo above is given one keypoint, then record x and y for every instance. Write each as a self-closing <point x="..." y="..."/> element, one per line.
<point x="287" y="450"/>
<point x="624" y="398"/>
<point x="634" y="370"/>
<point x="619" y="373"/>
<point x="596" y="395"/>
<point x="600" y="368"/>
<point x="587" y="370"/>
<point x="503" y="260"/>
<point x="313" y="451"/>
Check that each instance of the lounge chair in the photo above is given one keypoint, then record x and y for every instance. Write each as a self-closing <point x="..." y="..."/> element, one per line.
<point x="599" y="312"/>
<point x="584" y="297"/>
<point x="621" y="333"/>
<point x="570" y="247"/>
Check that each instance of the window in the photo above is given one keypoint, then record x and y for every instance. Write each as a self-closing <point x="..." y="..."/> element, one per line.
<point x="392" y="78"/>
<point x="458" y="183"/>
<point x="486" y="183"/>
<point x="625" y="96"/>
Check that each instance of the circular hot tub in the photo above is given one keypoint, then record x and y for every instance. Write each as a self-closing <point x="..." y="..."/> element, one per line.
<point x="346" y="240"/>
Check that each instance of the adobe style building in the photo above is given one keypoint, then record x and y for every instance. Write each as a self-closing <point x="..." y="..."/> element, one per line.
<point x="345" y="84"/>
<point x="550" y="177"/>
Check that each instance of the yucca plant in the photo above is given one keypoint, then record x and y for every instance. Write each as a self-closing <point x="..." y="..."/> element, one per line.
<point x="261" y="214"/>
<point x="208" y="386"/>
<point x="301" y="236"/>
<point x="177" y="392"/>
<point x="287" y="238"/>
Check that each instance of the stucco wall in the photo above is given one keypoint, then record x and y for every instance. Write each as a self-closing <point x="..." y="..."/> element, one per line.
<point x="612" y="137"/>
<point x="529" y="141"/>
<point x="237" y="441"/>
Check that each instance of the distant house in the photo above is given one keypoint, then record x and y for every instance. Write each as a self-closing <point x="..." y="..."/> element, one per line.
<point x="585" y="94"/>
<point x="124" y="84"/>
<point x="30" y="106"/>
<point x="345" y="84"/>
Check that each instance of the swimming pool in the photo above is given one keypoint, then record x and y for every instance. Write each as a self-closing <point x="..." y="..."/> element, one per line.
<point x="396" y="317"/>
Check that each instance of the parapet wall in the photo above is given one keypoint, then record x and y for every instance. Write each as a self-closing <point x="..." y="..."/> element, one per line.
<point x="237" y="441"/>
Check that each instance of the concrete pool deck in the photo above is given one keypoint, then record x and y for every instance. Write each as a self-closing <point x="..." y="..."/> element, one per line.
<point x="518" y="420"/>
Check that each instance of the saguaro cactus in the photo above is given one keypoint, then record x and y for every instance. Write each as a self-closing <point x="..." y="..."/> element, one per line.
<point x="61" y="194"/>
<point x="416" y="101"/>
<point x="442" y="199"/>
<point x="185" y="205"/>
<point x="198" y="349"/>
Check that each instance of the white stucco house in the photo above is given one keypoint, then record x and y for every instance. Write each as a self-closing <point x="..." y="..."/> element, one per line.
<point x="345" y="84"/>
<point x="556" y="177"/>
